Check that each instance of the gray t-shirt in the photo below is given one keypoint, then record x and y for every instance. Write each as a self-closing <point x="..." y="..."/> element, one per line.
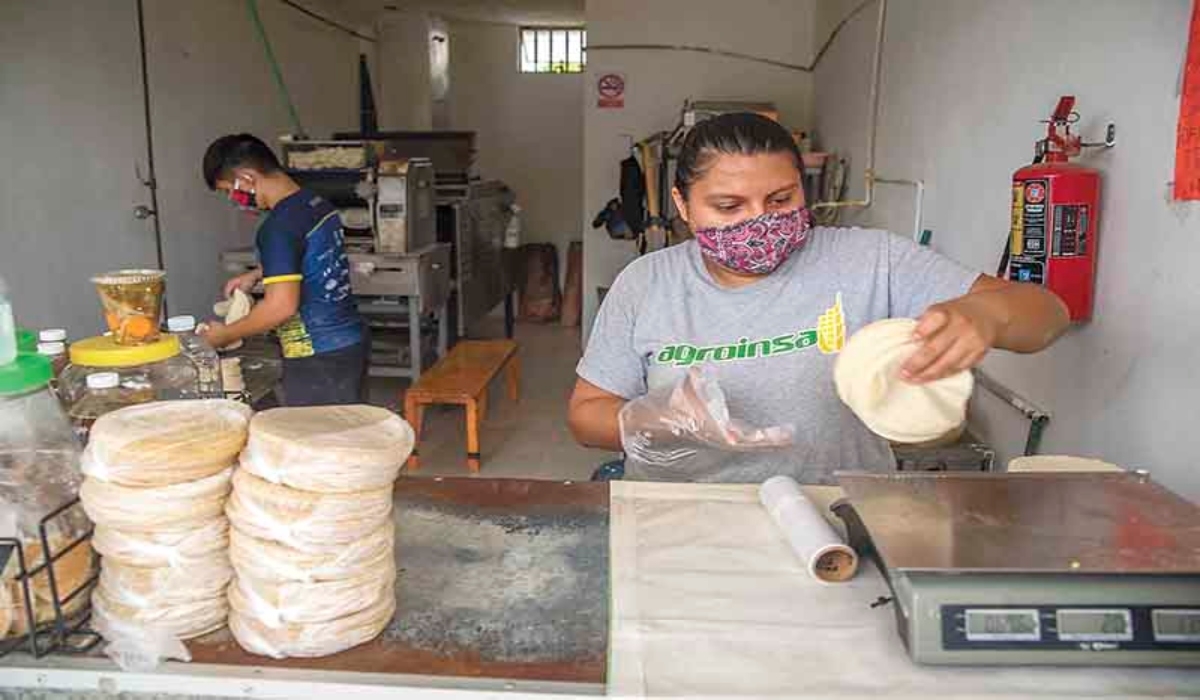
<point x="771" y="345"/>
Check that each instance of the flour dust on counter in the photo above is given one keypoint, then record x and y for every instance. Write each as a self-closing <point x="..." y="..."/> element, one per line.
<point x="508" y="587"/>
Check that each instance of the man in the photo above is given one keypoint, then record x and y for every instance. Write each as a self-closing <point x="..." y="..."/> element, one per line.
<point x="304" y="272"/>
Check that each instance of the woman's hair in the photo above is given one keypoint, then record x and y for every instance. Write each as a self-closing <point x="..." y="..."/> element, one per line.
<point x="738" y="133"/>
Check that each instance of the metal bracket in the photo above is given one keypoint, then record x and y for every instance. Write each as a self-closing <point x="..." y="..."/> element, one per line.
<point x="1110" y="138"/>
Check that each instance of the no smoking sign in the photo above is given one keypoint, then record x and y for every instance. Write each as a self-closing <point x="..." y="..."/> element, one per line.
<point x="610" y="91"/>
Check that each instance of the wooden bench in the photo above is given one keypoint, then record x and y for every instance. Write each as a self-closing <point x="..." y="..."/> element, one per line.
<point x="462" y="377"/>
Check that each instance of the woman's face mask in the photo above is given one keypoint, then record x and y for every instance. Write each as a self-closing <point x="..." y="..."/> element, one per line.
<point x="756" y="246"/>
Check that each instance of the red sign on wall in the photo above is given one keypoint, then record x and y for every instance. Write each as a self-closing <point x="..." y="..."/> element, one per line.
<point x="1187" y="140"/>
<point x="610" y="91"/>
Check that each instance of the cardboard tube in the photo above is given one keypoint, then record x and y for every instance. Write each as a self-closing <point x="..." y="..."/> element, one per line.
<point x="810" y="536"/>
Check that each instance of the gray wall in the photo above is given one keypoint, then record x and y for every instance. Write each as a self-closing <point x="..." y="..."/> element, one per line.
<point x="530" y="128"/>
<point x="658" y="83"/>
<point x="70" y="96"/>
<point x="965" y="83"/>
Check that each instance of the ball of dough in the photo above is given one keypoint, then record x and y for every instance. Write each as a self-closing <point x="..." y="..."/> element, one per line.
<point x="867" y="376"/>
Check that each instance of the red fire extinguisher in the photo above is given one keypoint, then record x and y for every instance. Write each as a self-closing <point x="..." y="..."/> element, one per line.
<point x="1056" y="216"/>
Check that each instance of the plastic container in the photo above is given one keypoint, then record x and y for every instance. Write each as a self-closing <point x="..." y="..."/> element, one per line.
<point x="132" y="301"/>
<point x="39" y="474"/>
<point x="203" y="355"/>
<point x="52" y="335"/>
<point x="56" y="352"/>
<point x="157" y="371"/>
<point x="8" y="328"/>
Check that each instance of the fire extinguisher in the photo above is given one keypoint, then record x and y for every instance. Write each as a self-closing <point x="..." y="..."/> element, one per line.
<point x="1056" y="216"/>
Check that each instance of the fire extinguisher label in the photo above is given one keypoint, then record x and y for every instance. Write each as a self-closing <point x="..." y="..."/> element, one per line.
<point x="1070" y="230"/>
<point x="1028" y="231"/>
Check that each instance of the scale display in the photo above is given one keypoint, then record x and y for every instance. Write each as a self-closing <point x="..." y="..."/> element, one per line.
<point x="1182" y="625"/>
<point x="1094" y="625"/>
<point x="1134" y="628"/>
<point x="1002" y="625"/>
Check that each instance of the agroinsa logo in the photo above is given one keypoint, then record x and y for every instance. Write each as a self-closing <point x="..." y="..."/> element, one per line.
<point x="829" y="337"/>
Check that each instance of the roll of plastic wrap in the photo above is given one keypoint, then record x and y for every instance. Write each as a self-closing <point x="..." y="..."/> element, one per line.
<point x="811" y="537"/>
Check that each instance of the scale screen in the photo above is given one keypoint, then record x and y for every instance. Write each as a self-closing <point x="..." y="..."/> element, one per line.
<point x="1003" y="625"/>
<point x="1177" y="625"/>
<point x="1084" y="625"/>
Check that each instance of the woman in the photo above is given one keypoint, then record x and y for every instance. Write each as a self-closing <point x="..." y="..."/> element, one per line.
<point x="763" y="301"/>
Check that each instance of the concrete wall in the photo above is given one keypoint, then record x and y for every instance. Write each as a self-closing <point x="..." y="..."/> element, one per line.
<point x="405" y="96"/>
<point x="658" y="83"/>
<point x="964" y="85"/>
<point x="530" y="128"/>
<point x="72" y="119"/>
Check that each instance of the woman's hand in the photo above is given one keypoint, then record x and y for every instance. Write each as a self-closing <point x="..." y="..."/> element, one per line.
<point x="957" y="334"/>
<point x="954" y="336"/>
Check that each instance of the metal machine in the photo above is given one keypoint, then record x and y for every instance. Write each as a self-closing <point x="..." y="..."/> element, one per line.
<point x="1033" y="568"/>
<point x="472" y="215"/>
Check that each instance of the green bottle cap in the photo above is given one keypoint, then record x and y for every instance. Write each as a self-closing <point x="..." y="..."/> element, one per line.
<point x="24" y="374"/>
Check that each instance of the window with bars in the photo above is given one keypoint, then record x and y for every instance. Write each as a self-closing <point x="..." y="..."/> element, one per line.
<point x="553" y="50"/>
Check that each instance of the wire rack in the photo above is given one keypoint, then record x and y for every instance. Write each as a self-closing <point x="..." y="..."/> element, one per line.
<point x="67" y="632"/>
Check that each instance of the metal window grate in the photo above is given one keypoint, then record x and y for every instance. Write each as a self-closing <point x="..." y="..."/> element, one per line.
<point x="553" y="50"/>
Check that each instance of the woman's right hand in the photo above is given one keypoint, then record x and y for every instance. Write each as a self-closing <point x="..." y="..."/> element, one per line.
<point x="244" y="282"/>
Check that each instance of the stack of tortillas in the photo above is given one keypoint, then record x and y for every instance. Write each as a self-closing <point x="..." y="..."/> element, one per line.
<point x="867" y="375"/>
<point x="157" y="478"/>
<point x="312" y="541"/>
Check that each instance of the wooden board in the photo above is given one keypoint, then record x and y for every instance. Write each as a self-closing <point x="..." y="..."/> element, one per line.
<point x="499" y="578"/>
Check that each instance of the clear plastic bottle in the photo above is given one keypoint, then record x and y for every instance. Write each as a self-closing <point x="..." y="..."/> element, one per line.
<point x="56" y="352"/>
<point x="205" y="357"/>
<point x="8" y="328"/>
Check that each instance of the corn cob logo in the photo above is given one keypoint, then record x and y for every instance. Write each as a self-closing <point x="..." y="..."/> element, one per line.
<point x="831" y="329"/>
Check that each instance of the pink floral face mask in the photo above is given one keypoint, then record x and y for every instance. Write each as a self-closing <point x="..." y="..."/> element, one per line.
<point x="756" y="246"/>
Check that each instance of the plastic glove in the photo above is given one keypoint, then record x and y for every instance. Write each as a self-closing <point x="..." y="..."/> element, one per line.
<point x="687" y="428"/>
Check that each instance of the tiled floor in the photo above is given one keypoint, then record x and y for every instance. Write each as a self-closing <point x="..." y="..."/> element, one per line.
<point x="528" y="439"/>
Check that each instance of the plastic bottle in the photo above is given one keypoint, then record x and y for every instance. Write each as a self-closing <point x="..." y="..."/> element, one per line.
<point x="512" y="233"/>
<point x="56" y="352"/>
<point x="103" y="396"/>
<point x="203" y="355"/>
<point x="8" y="328"/>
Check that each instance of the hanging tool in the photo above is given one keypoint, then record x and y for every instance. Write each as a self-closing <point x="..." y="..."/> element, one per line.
<point x="655" y="235"/>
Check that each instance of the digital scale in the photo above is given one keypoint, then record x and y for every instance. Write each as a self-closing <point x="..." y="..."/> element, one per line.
<point x="1033" y="568"/>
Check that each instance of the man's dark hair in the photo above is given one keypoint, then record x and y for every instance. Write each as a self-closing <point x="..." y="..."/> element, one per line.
<point x="739" y="133"/>
<point x="237" y="151"/>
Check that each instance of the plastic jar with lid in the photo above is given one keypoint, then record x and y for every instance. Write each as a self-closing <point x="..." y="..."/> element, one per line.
<point x="157" y="371"/>
<point x="39" y="474"/>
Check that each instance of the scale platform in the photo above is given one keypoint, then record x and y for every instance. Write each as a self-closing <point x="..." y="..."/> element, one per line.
<point x="1051" y="568"/>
